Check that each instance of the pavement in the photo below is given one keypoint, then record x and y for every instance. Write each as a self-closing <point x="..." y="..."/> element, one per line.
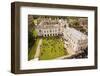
<point x="37" y="54"/>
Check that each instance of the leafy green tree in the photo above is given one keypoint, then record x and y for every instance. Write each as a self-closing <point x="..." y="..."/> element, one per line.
<point x="35" y="34"/>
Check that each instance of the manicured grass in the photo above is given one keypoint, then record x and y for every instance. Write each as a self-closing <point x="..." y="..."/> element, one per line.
<point x="33" y="49"/>
<point x="51" y="48"/>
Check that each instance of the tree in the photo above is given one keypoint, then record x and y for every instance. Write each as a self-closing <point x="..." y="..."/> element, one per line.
<point x="31" y="39"/>
<point x="35" y="34"/>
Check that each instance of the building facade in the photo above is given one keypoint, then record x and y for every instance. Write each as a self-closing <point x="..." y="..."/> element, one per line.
<point x="74" y="39"/>
<point x="51" y="27"/>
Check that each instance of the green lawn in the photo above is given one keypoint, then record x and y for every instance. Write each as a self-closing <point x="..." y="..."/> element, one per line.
<point x="51" y="48"/>
<point x="33" y="50"/>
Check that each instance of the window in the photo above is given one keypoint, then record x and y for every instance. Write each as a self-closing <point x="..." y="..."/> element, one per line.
<point x="44" y="31"/>
<point x="50" y="31"/>
<point x="39" y="30"/>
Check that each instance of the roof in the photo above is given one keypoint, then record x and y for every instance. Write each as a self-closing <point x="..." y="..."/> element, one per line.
<point x="48" y="24"/>
<point x="75" y="34"/>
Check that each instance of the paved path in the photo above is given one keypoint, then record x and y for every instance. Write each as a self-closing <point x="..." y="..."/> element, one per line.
<point x="38" y="49"/>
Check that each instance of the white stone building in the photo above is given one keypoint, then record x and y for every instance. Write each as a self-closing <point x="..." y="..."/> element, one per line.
<point x="50" y="28"/>
<point x="74" y="39"/>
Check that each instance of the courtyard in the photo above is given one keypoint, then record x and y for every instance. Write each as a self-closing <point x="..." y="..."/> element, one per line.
<point x="47" y="48"/>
